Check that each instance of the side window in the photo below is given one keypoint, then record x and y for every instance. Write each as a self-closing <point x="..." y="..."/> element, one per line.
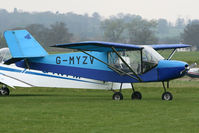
<point x="135" y="60"/>
<point x="132" y="58"/>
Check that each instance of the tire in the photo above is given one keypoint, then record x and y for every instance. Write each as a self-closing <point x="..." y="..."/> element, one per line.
<point x="167" y="96"/>
<point x="117" y="96"/>
<point x="136" y="95"/>
<point x="4" y="91"/>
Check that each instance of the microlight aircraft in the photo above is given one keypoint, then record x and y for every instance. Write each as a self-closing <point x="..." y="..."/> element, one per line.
<point x="97" y="65"/>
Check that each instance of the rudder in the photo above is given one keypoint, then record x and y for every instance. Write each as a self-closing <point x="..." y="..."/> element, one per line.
<point x="23" y="45"/>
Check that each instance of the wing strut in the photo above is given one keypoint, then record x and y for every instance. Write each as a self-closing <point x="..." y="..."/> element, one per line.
<point x="126" y="64"/>
<point x="111" y="67"/>
<point x="171" y="55"/>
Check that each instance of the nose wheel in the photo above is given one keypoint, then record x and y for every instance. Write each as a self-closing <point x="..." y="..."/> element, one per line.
<point x="166" y="95"/>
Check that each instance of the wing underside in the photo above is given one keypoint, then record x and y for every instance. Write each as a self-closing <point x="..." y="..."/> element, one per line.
<point x="169" y="46"/>
<point x="99" y="46"/>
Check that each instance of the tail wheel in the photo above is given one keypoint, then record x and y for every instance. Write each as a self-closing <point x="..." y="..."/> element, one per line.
<point x="4" y="91"/>
<point x="117" y="96"/>
<point x="136" y="95"/>
<point x="167" y="96"/>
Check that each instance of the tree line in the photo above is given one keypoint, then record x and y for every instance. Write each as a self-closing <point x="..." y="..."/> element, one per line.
<point x="55" y="28"/>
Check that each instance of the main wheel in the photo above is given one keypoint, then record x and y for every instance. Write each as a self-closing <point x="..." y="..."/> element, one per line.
<point x="136" y="95"/>
<point x="167" y="96"/>
<point x="117" y="96"/>
<point x="4" y="91"/>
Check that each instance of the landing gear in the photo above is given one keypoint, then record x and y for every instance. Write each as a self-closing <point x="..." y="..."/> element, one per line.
<point x="4" y="91"/>
<point x="135" y="94"/>
<point x="118" y="95"/>
<point x="166" y="95"/>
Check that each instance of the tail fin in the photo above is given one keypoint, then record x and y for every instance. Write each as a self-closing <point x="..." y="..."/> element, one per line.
<point x="22" y="44"/>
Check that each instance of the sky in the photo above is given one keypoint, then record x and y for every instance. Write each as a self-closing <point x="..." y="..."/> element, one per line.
<point x="148" y="9"/>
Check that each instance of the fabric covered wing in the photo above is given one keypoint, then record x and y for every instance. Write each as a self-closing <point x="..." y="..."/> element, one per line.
<point x="169" y="46"/>
<point x="99" y="46"/>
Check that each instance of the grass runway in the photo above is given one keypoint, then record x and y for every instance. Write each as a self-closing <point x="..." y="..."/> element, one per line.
<point x="48" y="110"/>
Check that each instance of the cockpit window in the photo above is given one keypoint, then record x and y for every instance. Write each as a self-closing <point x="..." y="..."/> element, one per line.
<point x="132" y="58"/>
<point x="139" y="60"/>
<point x="4" y="54"/>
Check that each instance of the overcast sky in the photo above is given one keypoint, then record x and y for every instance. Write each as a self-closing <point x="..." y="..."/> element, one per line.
<point x="149" y="9"/>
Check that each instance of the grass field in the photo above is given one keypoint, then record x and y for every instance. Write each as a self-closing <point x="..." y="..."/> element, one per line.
<point x="189" y="57"/>
<point x="46" y="110"/>
<point x="49" y="110"/>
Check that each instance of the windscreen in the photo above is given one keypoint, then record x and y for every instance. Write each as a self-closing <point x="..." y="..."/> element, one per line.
<point x="150" y="58"/>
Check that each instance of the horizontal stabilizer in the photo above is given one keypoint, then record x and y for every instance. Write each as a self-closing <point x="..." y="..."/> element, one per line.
<point x="12" y="60"/>
<point x="99" y="46"/>
<point x="22" y="44"/>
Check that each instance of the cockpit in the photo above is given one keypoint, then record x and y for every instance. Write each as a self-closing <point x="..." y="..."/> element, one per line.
<point x="4" y="54"/>
<point x="140" y="61"/>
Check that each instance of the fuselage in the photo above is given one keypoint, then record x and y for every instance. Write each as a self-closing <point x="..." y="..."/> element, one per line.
<point x="81" y="65"/>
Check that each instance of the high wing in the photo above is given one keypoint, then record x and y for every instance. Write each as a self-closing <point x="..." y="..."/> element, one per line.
<point x="99" y="46"/>
<point x="169" y="46"/>
<point x="107" y="46"/>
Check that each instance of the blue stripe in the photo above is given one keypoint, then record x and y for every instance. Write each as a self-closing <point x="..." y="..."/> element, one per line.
<point x="101" y="75"/>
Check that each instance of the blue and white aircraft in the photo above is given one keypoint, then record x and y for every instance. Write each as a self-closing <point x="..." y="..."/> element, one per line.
<point x="98" y="65"/>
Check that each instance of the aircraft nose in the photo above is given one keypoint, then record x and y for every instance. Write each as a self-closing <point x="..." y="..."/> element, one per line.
<point x="171" y="69"/>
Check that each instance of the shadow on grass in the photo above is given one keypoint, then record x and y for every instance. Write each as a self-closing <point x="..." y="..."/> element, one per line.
<point x="32" y="95"/>
<point x="56" y="95"/>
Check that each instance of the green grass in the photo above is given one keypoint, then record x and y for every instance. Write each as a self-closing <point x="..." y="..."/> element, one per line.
<point x="47" y="110"/>
<point x="189" y="57"/>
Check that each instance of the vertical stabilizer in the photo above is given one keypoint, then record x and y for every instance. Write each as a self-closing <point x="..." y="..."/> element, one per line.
<point x="23" y="45"/>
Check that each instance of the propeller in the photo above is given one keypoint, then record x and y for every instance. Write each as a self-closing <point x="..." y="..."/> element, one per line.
<point x="193" y="65"/>
<point x="193" y="71"/>
<point x="188" y="68"/>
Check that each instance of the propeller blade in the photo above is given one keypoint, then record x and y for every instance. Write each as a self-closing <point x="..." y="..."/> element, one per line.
<point x="193" y="65"/>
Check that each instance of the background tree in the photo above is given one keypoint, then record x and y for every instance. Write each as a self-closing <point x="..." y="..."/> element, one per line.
<point x="141" y="32"/>
<point x="40" y="32"/>
<point x="58" y="33"/>
<point x="117" y="28"/>
<point x="191" y="34"/>
<point x="180" y="23"/>
<point x="113" y="29"/>
<point x="162" y="27"/>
